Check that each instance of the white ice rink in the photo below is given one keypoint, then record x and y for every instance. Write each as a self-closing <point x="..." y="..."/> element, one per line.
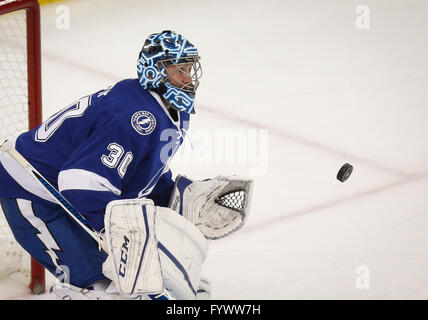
<point x="306" y="90"/>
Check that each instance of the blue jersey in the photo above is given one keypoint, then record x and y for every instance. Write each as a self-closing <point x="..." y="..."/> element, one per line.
<point x="113" y="144"/>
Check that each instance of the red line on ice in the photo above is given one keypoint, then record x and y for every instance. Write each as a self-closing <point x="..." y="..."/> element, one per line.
<point x="304" y="141"/>
<point x="328" y="204"/>
<point x="283" y="135"/>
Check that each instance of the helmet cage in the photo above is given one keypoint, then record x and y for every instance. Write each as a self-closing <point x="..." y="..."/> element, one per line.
<point x="193" y="73"/>
<point x="164" y="49"/>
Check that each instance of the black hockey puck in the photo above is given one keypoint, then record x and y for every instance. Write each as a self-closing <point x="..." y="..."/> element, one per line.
<point x="344" y="172"/>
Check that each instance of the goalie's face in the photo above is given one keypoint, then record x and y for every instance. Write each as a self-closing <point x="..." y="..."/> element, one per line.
<point x="184" y="76"/>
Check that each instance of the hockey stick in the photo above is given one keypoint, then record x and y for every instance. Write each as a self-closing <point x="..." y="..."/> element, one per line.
<point x="6" y="146"/>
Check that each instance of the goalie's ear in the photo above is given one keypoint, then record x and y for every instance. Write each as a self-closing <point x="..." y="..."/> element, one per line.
<point x="218" y="206"/>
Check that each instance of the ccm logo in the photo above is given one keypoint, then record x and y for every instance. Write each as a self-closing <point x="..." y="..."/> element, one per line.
<point x="123" y="257"/>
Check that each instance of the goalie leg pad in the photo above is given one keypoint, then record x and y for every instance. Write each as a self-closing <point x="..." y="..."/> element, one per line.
<point x="182" y="250"/>
<point x="133" y="262"/>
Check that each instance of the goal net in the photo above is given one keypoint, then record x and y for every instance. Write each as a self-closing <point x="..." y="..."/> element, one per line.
<point x="20" y="110"/>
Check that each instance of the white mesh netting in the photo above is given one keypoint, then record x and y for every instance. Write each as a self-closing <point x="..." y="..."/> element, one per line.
<point x="13" y="118"/>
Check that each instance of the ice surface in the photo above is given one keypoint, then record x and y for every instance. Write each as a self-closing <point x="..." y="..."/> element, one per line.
<point x="324" y="93"/>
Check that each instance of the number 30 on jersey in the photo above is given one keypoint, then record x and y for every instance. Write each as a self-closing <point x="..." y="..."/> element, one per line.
<point x="115" y="160"/>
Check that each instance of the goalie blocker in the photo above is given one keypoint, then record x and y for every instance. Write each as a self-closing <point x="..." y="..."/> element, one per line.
<point x="218" y="206"/>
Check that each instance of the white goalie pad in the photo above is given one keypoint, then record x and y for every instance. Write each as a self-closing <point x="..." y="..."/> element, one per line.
<point x="182" y="251"/>
<point x="133" y="261"/>
<point x="152" y="250"/>
<point x="218" y="206"/>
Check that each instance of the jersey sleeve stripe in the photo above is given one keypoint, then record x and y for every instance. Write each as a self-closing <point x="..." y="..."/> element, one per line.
<point x="78" y="179"/>
<point x="23" y="179"/>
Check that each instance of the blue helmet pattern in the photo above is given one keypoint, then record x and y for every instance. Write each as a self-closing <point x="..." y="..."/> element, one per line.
<point x="163" y="49"/>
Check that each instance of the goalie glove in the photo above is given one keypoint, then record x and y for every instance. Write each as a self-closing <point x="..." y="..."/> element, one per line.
<point x="218" y="206"/>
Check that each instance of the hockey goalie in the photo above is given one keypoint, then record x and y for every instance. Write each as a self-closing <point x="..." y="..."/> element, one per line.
<point x="105" y="154"/>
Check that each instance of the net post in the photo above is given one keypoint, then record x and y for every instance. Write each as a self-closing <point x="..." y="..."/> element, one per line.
<point x="37" y="283"/>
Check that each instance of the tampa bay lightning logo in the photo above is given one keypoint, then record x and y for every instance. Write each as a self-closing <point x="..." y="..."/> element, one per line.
<point x="143" y="122"/>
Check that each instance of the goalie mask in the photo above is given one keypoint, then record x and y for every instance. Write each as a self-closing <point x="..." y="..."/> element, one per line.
<point x="177" y="86"/>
